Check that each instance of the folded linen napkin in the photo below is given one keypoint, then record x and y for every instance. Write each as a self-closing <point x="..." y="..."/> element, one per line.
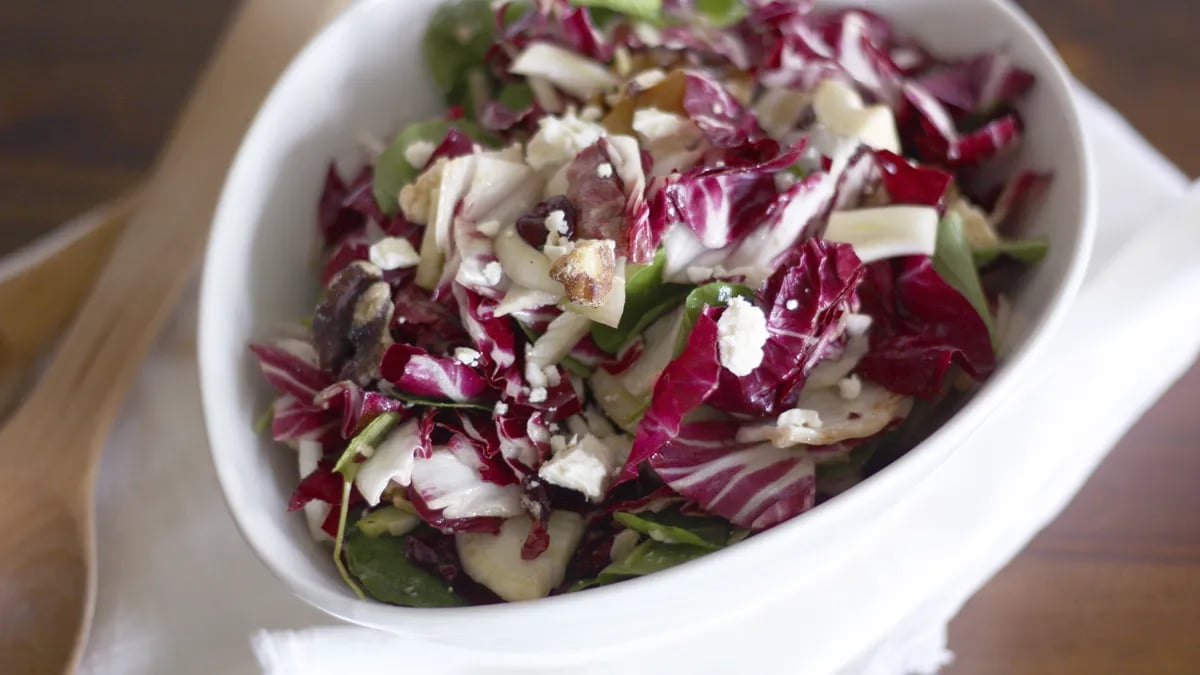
<point x="180" y="592"/>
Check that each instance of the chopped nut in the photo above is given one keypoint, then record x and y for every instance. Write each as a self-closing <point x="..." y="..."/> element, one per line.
<point x="586" y="272"/>
<point x="369" y="334"/>
<point x="350" y="328"/>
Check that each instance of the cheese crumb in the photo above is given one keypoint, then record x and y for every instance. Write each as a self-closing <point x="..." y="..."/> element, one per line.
<point x="418" y="153"/>
<point x="792" y="305"/>
<point x="538" y="395"/>
<point x="467" y="356"/>
<point x="850" y="387"/>
<point x="604" y="170"/>
<point x="799" y="417"/>
<point x="393" y="253"/>
<point x="556" y="222"/>
<point x="741" y="335"/>
<point x="501" y="408"/>
<point x="492" y="272"/>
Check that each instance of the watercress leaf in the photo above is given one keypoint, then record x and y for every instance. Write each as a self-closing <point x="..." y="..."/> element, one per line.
<point x="716" y="294"/>
<point x="646" y="299"/>
<point x="393" y="170"/>
<point x="952" y="260"/>
<point x="645" y="10"/>
<point x="672" y="527"/>
<point x="1025" y="251"/>
<point x="364" y="444"/>
<point x="386" y="573"/>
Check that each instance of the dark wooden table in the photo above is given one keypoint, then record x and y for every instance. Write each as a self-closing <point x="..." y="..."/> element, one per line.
<point x="88" y="89"/>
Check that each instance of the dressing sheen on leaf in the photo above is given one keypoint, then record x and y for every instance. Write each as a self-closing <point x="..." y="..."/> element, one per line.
<point x="386" y="573"/>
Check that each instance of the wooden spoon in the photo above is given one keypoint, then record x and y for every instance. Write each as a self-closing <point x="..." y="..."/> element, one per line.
<point x="42" y="286"/>
<point x="49" y="449"/>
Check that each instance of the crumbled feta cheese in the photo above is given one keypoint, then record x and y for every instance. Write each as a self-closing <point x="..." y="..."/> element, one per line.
<point x="604" y="170"/>
<point x="393" y="253"/>
<point x="556" y="222"/>
<point x="586" y="464"/>
<point x="792" y="305"/>
<point x="538" y="395"/>
<point x="559" y="140"/>
<point x="717" y="108"/>
<point x="858" y="324"/>
<point x="501" y="408"/>
<point x="799" y="417"/>
<point x="850" y="387"/>
<point x="492" y="273"/>
<point x="467" y="356"/>
<point x="417" y="153"/>
<point x="489" y="228"/>
<point x="742" y="332"/>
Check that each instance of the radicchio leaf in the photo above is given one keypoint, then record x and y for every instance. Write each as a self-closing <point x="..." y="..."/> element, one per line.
<point x="806" y="299"/>
<point x="686" y="383"/>
<point x="290" y="365"/>
<point x="415" y="371"/>
<point x="921" y="327"/>
<point x="358" y="406"/>
<point x="753" y="485"/>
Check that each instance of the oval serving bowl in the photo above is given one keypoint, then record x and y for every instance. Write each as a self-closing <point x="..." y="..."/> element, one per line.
<point x="363" y="77"/>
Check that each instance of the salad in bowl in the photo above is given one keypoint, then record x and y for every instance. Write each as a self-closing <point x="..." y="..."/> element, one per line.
<point x="662" y="276"/>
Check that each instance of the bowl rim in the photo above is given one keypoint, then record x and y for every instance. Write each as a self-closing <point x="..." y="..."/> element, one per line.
<point x="675" y="583"/>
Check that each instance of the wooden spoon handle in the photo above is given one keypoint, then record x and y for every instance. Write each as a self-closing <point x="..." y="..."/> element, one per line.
<point x="71" y="409"/>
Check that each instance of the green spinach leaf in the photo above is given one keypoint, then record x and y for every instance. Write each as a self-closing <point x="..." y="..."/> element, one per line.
<point x="386" y="573"/>
<point x="393" y="170"/>
<point x="716" y="294"/>
<point x="721" y="13"/>
<point x="953" y="261"/>
<point x="456" y="41"/>
<point x="647" y="558"/>
<point x="646" y="299"/>
<point x="672" y="527"/>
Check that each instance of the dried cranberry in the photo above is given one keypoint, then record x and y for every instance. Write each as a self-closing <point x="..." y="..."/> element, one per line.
<point x="532" y="225"/>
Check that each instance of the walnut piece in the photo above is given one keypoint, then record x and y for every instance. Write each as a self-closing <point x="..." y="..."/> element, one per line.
<point x="350" y="327"/>
<point x="586" y="272"/>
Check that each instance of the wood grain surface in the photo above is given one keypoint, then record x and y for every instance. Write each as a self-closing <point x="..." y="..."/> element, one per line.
<point x="88" y="91"/>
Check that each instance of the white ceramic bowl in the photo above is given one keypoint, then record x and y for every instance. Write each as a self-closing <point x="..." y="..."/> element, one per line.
<point x="363" y="76"/>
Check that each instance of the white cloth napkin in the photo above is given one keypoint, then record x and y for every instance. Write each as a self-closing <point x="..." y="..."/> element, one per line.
<point x="180" y="592"/>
